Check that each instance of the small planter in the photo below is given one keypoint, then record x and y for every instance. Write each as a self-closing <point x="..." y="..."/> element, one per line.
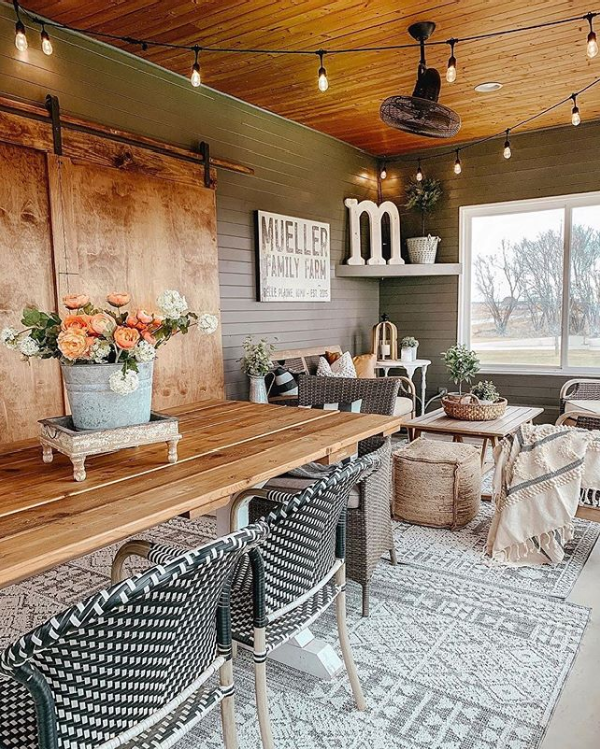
<point x="408" y="353"/>
<point x="95" y="406"/>
<point x="468" y="407"/>
<point x="258" y="389"/>
<point x="423" y="249"/>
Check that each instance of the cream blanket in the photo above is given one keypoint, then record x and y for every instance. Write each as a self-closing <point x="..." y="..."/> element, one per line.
<point x="540" y="472"/>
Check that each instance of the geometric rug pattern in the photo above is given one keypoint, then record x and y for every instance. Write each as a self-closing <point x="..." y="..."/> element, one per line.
<point x="461" y="553"/>
<point x="446" y="661"/>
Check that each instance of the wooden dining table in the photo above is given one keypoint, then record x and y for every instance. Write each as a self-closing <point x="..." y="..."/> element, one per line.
<point x="46" y="518"/>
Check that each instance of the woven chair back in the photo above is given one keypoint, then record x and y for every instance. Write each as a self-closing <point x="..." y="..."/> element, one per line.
<point x="378" y="395"/>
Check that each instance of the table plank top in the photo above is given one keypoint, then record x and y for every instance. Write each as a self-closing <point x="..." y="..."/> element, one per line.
<point x="438" y="422"/>
<point x="46" y="518"/>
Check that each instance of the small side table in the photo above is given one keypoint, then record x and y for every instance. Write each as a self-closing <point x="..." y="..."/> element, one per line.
<point x="410" y="367"/>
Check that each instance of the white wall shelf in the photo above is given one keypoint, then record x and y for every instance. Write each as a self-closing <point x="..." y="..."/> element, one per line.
<point x="398" y="271"/>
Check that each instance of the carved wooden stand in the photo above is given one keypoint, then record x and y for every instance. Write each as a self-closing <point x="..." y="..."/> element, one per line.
<point x="58" y="434"/>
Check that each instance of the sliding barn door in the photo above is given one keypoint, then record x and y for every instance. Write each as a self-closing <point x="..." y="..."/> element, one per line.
<point x="27" y="391"/>
<point x="115" y="230"/>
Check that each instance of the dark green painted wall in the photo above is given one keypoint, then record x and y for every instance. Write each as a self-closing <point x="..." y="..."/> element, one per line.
<point x="545" y="163"/>
<point x="297" y="172"/>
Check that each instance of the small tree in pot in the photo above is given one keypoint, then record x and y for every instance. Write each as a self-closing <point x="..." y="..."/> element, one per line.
<point x="462" y="363"/>
<point x="422" y="197"/>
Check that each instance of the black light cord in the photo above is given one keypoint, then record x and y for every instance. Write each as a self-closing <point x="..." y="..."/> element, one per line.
<point x="147" y="43"/>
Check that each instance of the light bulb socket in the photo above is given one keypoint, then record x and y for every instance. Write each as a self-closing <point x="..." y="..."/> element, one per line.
<point x="19" y="27"/>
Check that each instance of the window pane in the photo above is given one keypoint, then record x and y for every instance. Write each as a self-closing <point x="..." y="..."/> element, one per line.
<point x="584" y="317"/>
<point x="516" y="287"/>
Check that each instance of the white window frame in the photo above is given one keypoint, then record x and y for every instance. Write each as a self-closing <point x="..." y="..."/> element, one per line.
<point x="466" y="213"/>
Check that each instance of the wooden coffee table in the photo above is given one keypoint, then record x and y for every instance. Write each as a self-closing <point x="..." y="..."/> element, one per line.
<point x="489" y="432"/>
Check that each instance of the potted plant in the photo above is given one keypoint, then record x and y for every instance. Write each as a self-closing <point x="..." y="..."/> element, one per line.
<point x="106" y="355"/>
<point x="256" y="363"/>
<point x="462" y="364"/>
<point x="486" y="392"/>
<point x="408" y="349"/>
<point x="423" y="197"/>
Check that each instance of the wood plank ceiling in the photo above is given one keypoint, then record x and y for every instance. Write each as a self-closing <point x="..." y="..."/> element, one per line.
<point x="537" y="68"/>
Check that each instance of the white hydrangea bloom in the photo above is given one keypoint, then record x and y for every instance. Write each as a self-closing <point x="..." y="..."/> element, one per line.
<point x="144" y="352"/>
<point x="28" y="346"/>
<point x="100" y="351"/>
<point x="171" y="303"/>
<point x="123" y="384"/>
<point x="9" y="337"/>
<point x="208" y="323"/>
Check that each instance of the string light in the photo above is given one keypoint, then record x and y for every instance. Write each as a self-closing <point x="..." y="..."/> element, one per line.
<point x="20" y="36"/>
<point x="323" y="82"/>
<point x="383" y="172"/>
<point x="419" y="172"/>
<point x="195" y="78"/>
<point x="575" y="116"/>
<point x="457" y="164"/>
<point x="592" y="43"/>
<point x="451" y="69"/>
<point x="507" y="153"/>
<point x="46" y="43"/>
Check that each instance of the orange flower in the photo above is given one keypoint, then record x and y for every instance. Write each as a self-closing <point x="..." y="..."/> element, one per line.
<point x="126" y="338"/>
<point x="143" y="316"/>
<point x="149" y="338"/>
<point x="118" y="298"/>
<point x="73" y="344"/>
<point x="101" y="324"/>
<point x="77" y="322"/>
<point x="75" y="301"/>
<point x="133" y="322"/>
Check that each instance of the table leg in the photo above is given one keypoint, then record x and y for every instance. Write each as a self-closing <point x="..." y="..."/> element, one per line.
<point x="457" y="438"/>
<point x="423" y="388"/>
<point x="78" y="468"/>
<point x="484" y="445"/>
<point x="47" y="454"/>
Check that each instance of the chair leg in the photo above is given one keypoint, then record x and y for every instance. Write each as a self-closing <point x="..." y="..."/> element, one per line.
<point x="365" y="599"/>
<point x="227" y="708"/>
<point x="260" y="683"/>
<point x="393" y="557"/>
<point x="234" y="649"/>
<point x="340" y="609"/>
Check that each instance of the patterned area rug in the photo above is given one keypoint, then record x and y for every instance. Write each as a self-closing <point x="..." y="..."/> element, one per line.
<point x="461" y="553"/>
<point x="445" y="661"/>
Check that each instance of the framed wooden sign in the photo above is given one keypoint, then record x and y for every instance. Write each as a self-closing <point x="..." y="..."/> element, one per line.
<point x="293" y="259"/>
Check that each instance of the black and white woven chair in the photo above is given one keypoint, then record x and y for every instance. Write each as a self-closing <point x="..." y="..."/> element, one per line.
<point x="129" y="666"/>
<point x="292" y="577"/>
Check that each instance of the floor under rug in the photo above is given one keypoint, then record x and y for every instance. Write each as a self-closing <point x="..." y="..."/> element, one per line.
<point x="446" y="661"/>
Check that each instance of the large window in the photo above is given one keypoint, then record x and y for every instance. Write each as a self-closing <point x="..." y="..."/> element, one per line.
<point x="530" y="290"/>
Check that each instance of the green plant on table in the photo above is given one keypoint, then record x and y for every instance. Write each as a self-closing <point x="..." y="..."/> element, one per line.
<point x="256" y="361"/>
<point x="462" y="363"/>
<point x="409" y="342"/>
<point x="486" y="391"/>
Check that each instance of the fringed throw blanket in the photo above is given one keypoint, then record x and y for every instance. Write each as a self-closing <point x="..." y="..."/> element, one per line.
<point x="541" y="471"/>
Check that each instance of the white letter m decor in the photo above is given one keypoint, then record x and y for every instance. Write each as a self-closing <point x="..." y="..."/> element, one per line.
<point x="375" y="213"/>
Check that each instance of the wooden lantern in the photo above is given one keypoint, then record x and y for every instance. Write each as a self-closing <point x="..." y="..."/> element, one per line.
<point x="384" y="342"/>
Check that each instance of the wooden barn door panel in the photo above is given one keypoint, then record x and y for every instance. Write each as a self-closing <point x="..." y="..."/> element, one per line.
<point x="28" y="391"/>
<point x="120" y="231"/>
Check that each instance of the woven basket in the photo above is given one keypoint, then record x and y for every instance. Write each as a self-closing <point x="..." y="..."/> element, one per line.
<point x="422" y="249"/>
<point x="437" y="483"/>
<point x="469" y="408"/>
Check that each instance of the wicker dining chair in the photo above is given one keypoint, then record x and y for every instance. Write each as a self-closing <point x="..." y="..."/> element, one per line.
<point x="369" y="525"/>
<point x="129" y="666"/>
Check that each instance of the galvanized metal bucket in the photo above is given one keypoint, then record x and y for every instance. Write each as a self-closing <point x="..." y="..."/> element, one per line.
<point x="95" y="406"/>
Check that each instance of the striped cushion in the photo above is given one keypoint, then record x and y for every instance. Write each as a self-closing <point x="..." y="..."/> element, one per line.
<point x="284" y="383"/>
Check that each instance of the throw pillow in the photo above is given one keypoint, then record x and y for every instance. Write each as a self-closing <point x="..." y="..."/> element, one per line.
<point x="343" y="367"/>
<point x="284" y="383"/>
<point x="365" y="366"/>
<point x="332" y="356"/>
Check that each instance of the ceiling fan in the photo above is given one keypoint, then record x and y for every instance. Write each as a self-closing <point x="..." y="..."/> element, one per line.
<point x="421" y="113"/>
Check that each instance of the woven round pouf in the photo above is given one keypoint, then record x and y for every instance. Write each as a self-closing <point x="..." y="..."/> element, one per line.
<point x="437" y="483"/>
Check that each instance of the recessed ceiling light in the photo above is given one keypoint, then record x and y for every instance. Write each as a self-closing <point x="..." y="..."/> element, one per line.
<point x="488" y="87"/>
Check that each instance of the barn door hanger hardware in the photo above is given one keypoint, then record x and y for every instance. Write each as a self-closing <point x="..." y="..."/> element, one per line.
<point x="53" y="107"/>
<point x="205" y="153"/>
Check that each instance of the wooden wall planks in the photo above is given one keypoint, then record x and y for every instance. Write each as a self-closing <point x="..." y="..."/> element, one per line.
<point x="547" y="163"/>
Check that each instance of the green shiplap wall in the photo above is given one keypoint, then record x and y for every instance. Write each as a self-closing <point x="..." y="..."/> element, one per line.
<point x="545" y="163"/>
<point x="297" y="172"/>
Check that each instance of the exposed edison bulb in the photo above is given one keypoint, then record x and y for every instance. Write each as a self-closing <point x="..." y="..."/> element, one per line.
<point x="419" y="174"/>
<point x="507" y="153"/>
<point x="383" y="173"/>
<point x="20" y="37"/>
<point x="451" y="70"/>
<point x="47" y="48"/>
<point x="457" y="165"/>
<point x="195" y="76"/>
<point x="323" y="82"/>
<point x="575" y="116"/>
<point x="592" y="45"/>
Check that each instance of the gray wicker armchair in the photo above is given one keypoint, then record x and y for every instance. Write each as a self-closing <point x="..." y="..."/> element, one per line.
<point x="129" y="667"/>
<point x="580" y="401"/>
